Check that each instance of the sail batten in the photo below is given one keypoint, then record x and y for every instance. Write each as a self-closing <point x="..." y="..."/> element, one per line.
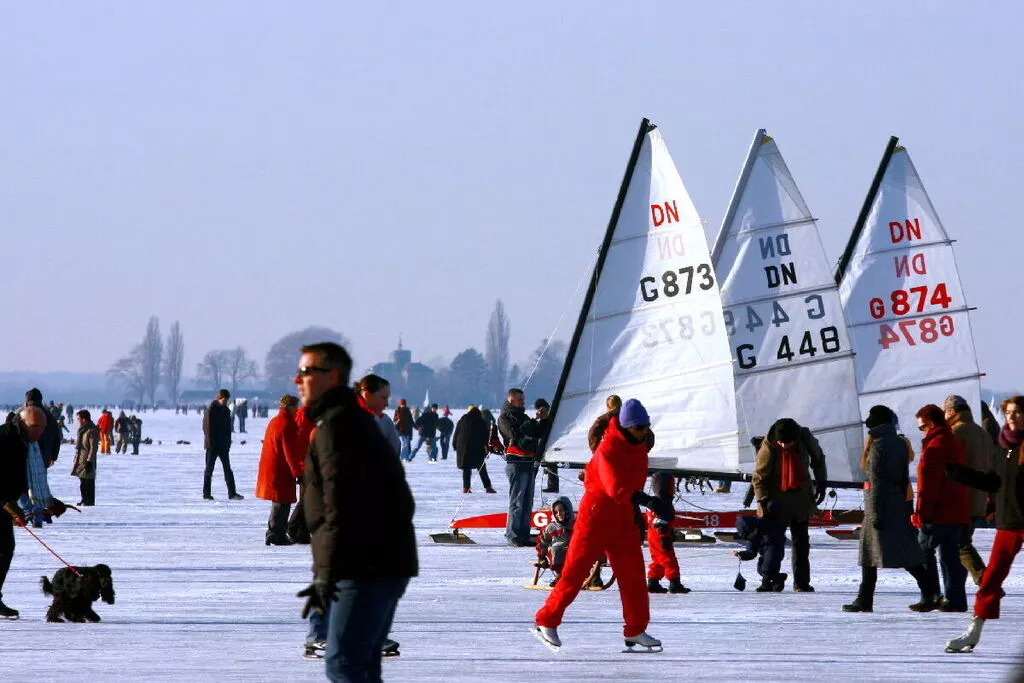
<point x="785" y="322"/>
<point x="652" y="328"/>
<point x="903" y="300"/>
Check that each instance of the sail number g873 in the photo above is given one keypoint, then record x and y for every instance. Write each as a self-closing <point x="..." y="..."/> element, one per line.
<point x="675" y="282"/>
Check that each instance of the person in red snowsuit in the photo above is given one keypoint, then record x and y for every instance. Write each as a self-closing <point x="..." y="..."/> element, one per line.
<point x="660" y="539"/>
<point x="615" y="479"/>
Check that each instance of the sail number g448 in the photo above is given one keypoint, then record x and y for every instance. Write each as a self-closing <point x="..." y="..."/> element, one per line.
<point x="747" y="359"/>
<point x="675" y="282"/>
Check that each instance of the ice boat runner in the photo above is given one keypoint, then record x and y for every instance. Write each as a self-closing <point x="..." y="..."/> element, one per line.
<point x="651" y="327"/>
<point x="783" y="315"/>
<point x="901" y="293"/>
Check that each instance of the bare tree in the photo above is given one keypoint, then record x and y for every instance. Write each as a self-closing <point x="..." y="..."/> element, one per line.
<point x="213" y="368"/>
<point x="152" y="355"/>
<point x="174" y="358"/>
<point x="239" y="368"/>
<point x="128" y="374"/>
<point x="496" y="352"/>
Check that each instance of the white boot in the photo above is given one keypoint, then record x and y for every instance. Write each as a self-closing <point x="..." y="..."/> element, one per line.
<point x="970" y="637"/>
<point x="643" y="640"/>
<point x="548" y="636"/>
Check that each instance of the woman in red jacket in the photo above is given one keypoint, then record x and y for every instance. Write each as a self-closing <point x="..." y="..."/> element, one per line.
<point x="942" y="512"/>
<point x="614" y="482"/>
<point x="281" y="465"/>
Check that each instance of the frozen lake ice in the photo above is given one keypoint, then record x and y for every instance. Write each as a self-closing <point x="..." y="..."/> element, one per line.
<point x="201" y="598"/>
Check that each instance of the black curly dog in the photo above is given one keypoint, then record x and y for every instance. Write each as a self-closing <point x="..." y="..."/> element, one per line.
<point x="73" y="594"/>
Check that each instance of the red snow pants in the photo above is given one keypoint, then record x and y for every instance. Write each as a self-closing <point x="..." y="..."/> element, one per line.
<point x="1005" y="547"/>
<point x="663" y="555"/>
<point x="603" y="527"/>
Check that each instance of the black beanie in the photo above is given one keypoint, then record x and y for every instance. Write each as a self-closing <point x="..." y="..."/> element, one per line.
<point x="787" y="430"/>
<point x="33" y="397"/>
<point x="878" y="416"/>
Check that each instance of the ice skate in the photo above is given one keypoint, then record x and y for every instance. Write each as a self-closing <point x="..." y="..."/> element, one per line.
<point x="642" y="640"/>
<point x="8" y="612"/>
<point x="389" y="648"/>
<point x="314" y="650"/>
<point x="971" y="637"/>
<point x="548" y="636"/>
<point x="676" y="586"/>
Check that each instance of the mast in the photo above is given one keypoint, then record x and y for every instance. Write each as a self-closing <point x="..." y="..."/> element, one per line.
<point x="645" y="128"/>
<point x="844" y="260"/>
<point x="741" y="183"/>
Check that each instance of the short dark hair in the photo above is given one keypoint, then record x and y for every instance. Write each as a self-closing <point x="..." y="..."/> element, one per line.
<point x="371" y="383"/>
<point x="33" y="397"/>
<point x="84" y="414"/>
<point x="515" y="392"/>
<point x="334" y="357"/>
<point x="1017" y="401"/>
<point x="932" y="412"/>
<point x="223" y="393"/>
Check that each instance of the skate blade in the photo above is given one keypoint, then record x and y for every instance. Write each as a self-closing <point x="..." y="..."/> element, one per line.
<point x="644" y="650"/>
<point x="962" y="651"/>
<point x="537" y="586"/>
<point x="390" y="653"/>
<point x="551" y="646"/>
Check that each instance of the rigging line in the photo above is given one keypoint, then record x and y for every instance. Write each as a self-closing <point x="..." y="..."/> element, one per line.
<point x="561" y="318"/>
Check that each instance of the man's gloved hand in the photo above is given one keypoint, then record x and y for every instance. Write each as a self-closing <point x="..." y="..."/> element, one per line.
<point x="318" y="595"/>
<point x="16" y="514"/>
<point x="542" y="562"/>
<point x="90" y="466"/>
<point x="820" y="489"/>
<point x="660" y="507"/>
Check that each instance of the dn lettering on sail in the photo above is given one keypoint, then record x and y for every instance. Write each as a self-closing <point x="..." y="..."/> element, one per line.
<point x="773" y="247"/>
<point x="908" y="230"/>
<point x="665" y="213"/>
<point x="908" y="265"/>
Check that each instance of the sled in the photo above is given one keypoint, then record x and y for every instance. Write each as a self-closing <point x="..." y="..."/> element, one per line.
<point x="455" y="537"/>
<point x="587" y="584"/>
<point x="844" y="534"/>
<point x="690" y="536"/>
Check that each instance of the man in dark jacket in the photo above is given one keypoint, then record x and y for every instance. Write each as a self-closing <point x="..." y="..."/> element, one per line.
<point x="360" y="569"/>
<point x="217" y="441"/>
<point x="49" y="442"/>
<point x="426" y="424"/>
<point x="445" y="426"/>
<point x="782" y="476"/>
<point x="519" y="434"/>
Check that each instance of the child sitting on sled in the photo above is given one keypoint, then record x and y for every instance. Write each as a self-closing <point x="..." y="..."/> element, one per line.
<point x="660" y="538"/>
<point x="553" y="541"/>
<point x="766" y="541"/>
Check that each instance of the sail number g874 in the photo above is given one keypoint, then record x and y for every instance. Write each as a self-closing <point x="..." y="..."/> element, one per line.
<point x="675" y="282"/>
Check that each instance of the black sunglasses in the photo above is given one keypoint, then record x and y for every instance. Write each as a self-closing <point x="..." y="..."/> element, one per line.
<point x="923" y="428"/>
<point x="307" y="370"/>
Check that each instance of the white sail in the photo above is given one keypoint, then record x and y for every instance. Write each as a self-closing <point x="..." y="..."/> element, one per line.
<point x="654" y="330"/>
<point x="426" y="400"/>
<point x="904" y="305"/>
<point x="783" y="315"/>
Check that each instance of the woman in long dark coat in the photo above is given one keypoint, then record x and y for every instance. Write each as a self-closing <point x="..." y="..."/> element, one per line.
<point x="887" y="538"/>
<point x="471" y="447"/>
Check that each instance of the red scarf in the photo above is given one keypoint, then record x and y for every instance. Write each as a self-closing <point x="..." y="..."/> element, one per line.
<point x="362" y="404"/>
<point x="792" y="473"/>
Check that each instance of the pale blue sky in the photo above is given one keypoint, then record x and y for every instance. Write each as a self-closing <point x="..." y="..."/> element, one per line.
<point x="250" y="168"/>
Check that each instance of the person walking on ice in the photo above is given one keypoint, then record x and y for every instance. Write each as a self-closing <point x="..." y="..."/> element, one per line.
<point x="614" y="482"/>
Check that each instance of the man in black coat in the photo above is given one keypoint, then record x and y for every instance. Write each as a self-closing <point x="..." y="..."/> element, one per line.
<point x="359" y="509"/>
<point x="519" y="434"/>
<point x="217" y="441"/>
<point x="426" y="424"/>
<point x="13" y="485"/>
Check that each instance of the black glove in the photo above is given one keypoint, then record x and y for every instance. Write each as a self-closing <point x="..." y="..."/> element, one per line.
<point x="542" y="562"/>
<point x="90" y="466"/>
<point x="659" y="506"/>
<point x="318" y="596"/>
<point x="820" y="489"/>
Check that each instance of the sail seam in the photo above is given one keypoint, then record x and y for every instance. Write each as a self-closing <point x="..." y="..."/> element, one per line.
<point x="904" y="387"/>
<point x="910" y="316"/>
<point x="612" y="387"/>
<point x="772" y="226"/>
<point x="810" y="361"/>
<point x="909" y="247"/>
<point x="775" y="297"/>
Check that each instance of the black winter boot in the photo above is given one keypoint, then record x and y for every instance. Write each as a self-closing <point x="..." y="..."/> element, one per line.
<point x="859" y="604"/>
<point x="676" y="586"/>
<point x="654" y="586"/>
<point x="928" y="603"/>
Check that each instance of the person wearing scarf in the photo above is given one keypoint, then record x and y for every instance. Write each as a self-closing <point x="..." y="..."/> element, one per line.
<point x="1008" y="487"/>
<point x="942" y="511"/>
<point x="781" y="477"/>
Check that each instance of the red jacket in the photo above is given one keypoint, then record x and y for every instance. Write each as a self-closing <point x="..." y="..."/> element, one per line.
<point x="306" y="428"/>
<point x="940" y="500"/>
<point x="105" y="424"/>
<point x="281" y="460"/>
<point x="617" y="471"/>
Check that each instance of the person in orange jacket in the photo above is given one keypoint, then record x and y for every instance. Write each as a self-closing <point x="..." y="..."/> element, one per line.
<point x="281" y="466"/>
<point x="105" y="425"/>
<point x="605" y="524"/>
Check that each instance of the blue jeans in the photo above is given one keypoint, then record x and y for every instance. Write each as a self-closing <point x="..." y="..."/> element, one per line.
<point x="521" y="478"/>
<point x="431" y="450"/>
<point x="358" y="623"/>
<point x="317" y="627"/>
<point x="406" y="440"/>
<point x="945" y="537"/>
<point x="445" y="440"/>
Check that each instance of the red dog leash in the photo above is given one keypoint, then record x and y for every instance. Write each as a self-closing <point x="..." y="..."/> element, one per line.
<point x="25" y="527"/>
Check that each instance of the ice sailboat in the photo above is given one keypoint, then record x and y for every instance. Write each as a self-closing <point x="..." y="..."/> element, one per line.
<point x="784" y="317"/>
<point x="904" y="304"/>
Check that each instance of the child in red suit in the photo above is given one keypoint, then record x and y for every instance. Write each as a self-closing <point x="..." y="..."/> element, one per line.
<point x="660" y="539"/>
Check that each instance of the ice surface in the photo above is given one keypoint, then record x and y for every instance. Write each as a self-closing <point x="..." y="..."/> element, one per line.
<point x="201" y="598"/>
